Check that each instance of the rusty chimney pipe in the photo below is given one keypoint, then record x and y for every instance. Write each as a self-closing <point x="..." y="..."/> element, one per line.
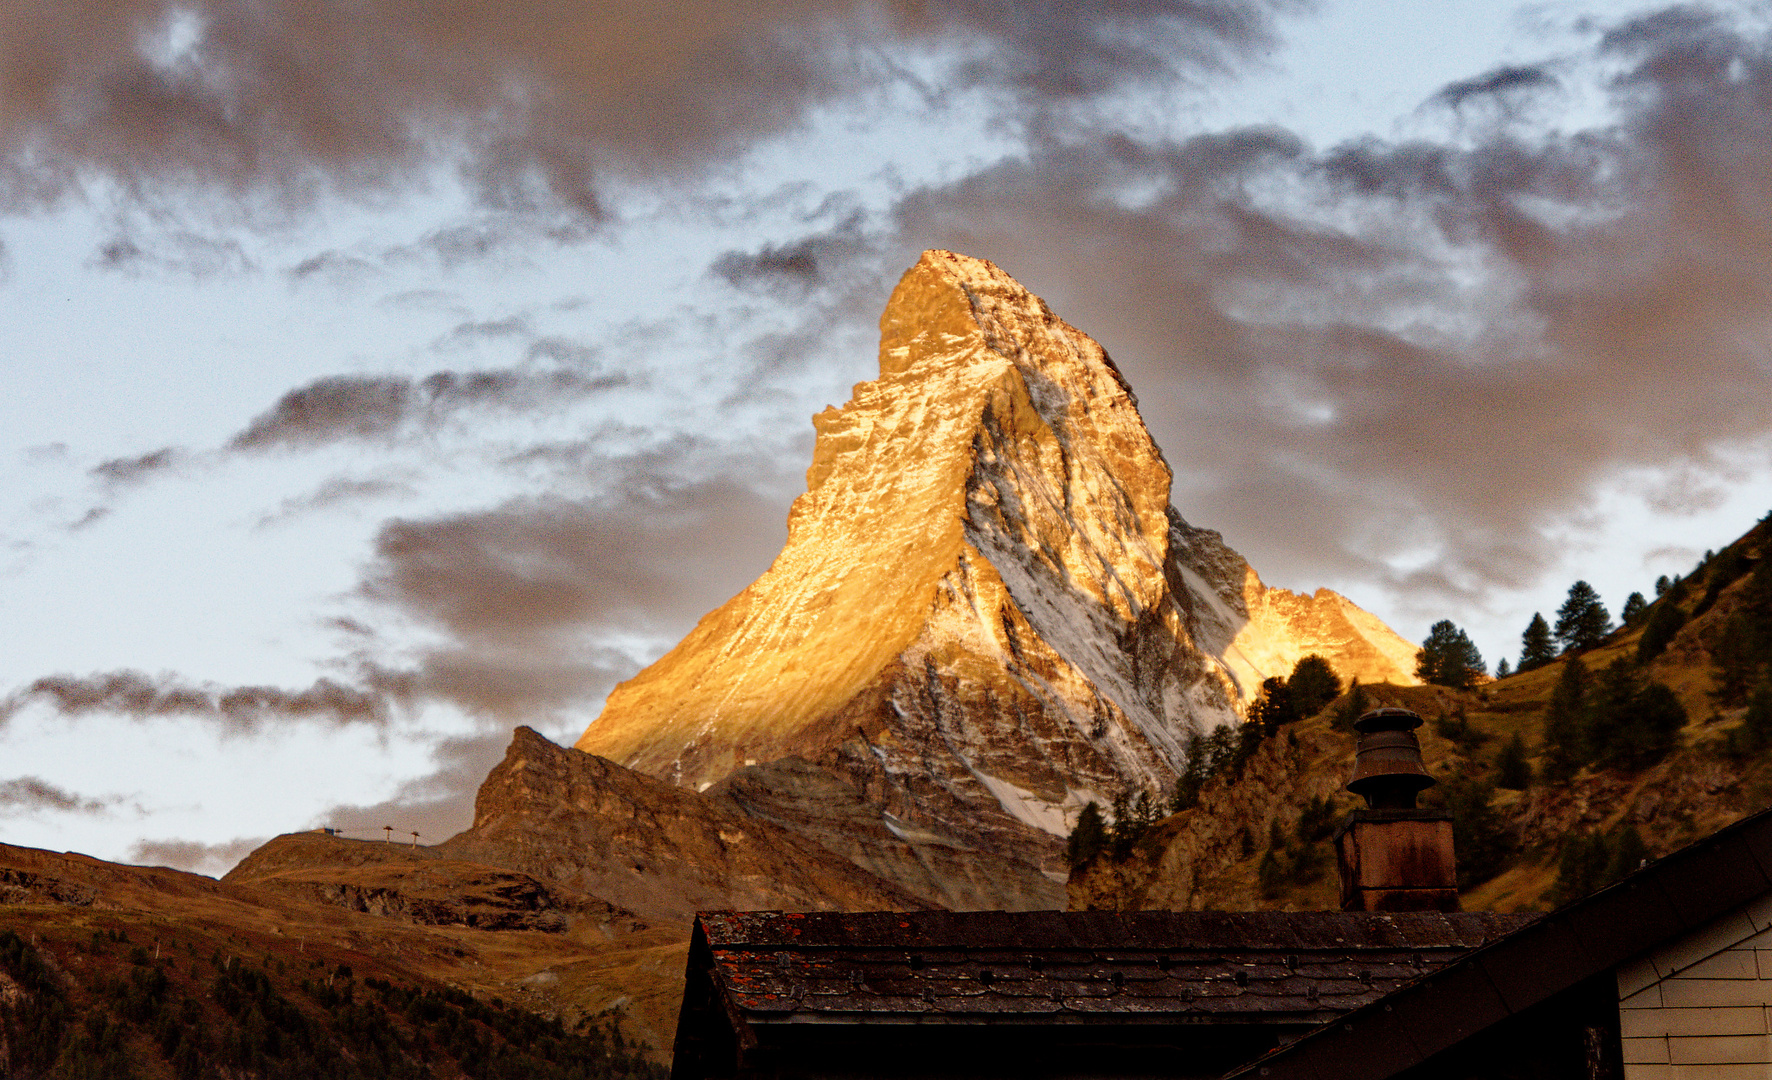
<point x="1388" y="771"/>
<point x="1393" y="856"/>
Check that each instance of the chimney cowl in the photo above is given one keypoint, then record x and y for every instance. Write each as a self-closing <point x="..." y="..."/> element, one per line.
<point x="1393" y="856"/>
<point x="1388" y="770"/>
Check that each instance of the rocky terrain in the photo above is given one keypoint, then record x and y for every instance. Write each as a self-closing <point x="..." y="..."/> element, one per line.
<point x="986" y="614"/>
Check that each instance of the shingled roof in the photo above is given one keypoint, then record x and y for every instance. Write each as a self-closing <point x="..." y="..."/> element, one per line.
<point x="753" y="976"/>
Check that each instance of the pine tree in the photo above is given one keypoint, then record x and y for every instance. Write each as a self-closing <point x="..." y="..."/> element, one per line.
<point x="1635" y="607"/>
<point x="1737" y="656"/>
<point x="1582" y="621"/>
<point x="1479" y="834"/>
<point x="1088" y="837"/>
<point x="1565" y="749"/>
<point x="1580" y="867"/>
<point x="1448" y="658"/>
<point x="1313" y="685"/>
<point x="1273" y="706"/>
<point x="1536" y="647"/>
<point x="1512" y="770"/>
<point x="1627" y="723"/>
<point x="1665" y="620"/>
<point x="1502" y="671"/>
<point x="1754" y="733"/>
<point x="1193" y="775"/>
<point x="1662" y="585"/>
<point x="1352" y="707"/>
<point x="1628" y="855"/>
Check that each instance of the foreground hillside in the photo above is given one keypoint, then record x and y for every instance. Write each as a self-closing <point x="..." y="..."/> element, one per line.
<point x="1602" y="791"/>
<point x="118" y="971"/>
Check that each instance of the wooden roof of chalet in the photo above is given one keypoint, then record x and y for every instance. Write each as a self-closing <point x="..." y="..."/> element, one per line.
<point x="754" y="971"/>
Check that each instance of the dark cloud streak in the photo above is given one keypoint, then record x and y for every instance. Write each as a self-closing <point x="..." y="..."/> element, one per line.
<point x="1500" y="82"/>
<point x="238" y="710"/>
<point x="369" y="407"/>
<point x="30" y="794"/>
<point x="133" y="470"/>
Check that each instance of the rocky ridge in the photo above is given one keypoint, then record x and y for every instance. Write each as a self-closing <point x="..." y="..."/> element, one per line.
<point x="579" y="821"/>
<point x="986" y="614"/>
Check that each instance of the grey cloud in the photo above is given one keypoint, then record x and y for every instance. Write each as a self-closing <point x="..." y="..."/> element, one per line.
<point x="562" y="351"/>
<point x="797" y="266"/>
<point x="528" y="596"/>
<point x="500" y="681"/>
<point x="28" y="794"/>
<point x="46" y="452"/>
<point x="1668" y="553"/>
<point x="333" y="266"/>
<point x="425" y="300"/>
<point x="1071" y="51"/>
<point x="538" y="567"/>
<point x="360" y="407"/>
<point x="509" y="326"/>
<point x="194" y="856"/>
<point x="133" y="470"/>
<point x="336" y="491"/>
<point x="328" y="409"/>
<point x="457" y="245"/>
<point x="530" y="105"/>
<point x="173" y="251"/>
<point x="1499" y="82"/>
<point x="242" y="709"/>
<point x="92" y="517"/>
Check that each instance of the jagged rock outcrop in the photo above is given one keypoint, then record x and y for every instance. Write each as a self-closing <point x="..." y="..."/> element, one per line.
<point x="579" y="821"/>
<point x="986" y="613"/>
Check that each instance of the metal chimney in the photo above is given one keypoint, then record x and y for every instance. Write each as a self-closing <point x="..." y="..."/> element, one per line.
<point x="1393" y="856"/>
<point x="1388" y="772"/>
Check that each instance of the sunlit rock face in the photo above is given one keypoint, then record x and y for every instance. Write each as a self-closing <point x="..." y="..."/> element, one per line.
<point x="986" y="612"/>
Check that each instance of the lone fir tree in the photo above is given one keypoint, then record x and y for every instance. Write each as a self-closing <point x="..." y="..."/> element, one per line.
<point x="1582" y="621"/>
<point x="1313" y="685"/>
<point x="1536" y="647"/>
<point x="1512" y="770"/>
<point x="1636" y="608"/>
<point x="1565" y="737"/>
<point x="1448" y="658"/>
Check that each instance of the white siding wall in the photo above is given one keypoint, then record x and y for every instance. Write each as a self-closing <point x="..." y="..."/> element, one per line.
<point x="1698" y="1007"/>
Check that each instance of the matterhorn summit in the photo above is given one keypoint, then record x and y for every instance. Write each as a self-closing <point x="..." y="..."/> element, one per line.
<point x="986" y="612"/>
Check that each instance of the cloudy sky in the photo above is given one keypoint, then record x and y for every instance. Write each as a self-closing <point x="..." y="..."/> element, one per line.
<point x="380" y="380"/>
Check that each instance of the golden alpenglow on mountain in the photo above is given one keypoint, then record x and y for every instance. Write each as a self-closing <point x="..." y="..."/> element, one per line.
<point x="986" y="613"/>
